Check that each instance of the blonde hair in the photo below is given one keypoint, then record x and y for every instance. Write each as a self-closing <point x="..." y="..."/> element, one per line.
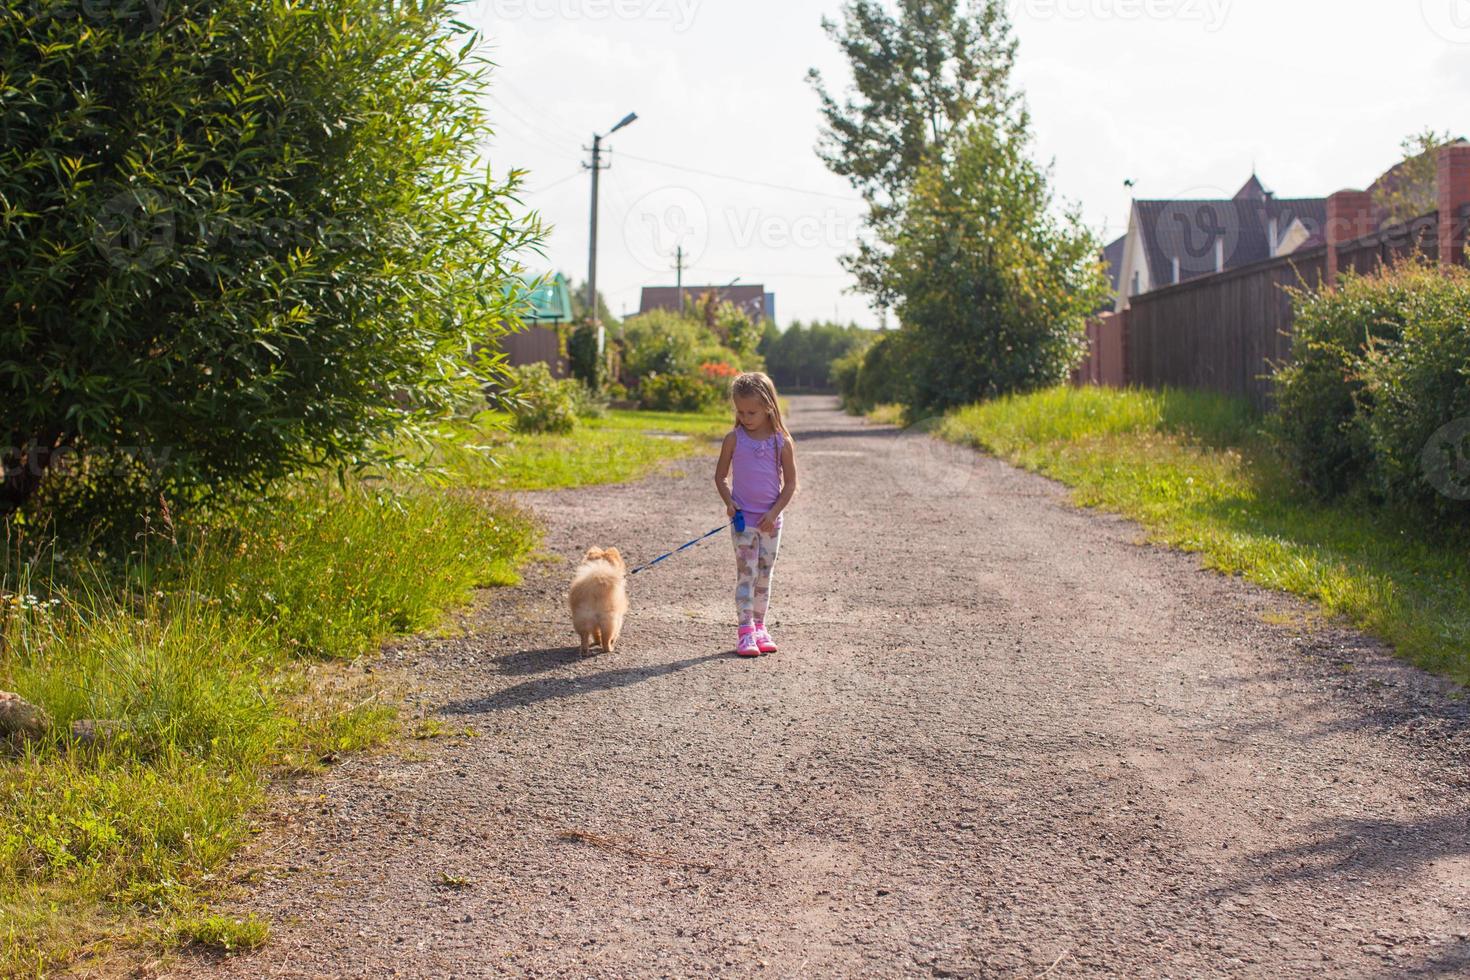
<point x="756" y="384"/>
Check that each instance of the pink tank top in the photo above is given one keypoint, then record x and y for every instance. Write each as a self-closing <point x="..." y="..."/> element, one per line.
<point x="755" y="480"/>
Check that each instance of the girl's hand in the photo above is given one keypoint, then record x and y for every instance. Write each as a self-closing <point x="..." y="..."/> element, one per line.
<point x="730" y="511"/>
<point x="767" y="524"/>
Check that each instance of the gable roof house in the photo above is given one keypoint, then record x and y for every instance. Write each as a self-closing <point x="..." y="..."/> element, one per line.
<point x="1173" y="241"/>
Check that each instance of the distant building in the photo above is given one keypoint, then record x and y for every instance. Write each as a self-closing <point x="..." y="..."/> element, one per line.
<point x="546" y="310"/>
<point x="753" y="300"/>
<point x="1173" y="241"/>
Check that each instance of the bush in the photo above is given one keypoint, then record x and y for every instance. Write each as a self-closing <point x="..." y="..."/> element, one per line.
<point x="239" y="210"/>
<point x="879" y="374"/>
<point x="542" y="403"/>
<point x="586" y="364"/>
<point x="1419" y="427"/>
<point x="679" y="393"/>
<point x="1319" y="392"/>
<point x="1379" y="387"/>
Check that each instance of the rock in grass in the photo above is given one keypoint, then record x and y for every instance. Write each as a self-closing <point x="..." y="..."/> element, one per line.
<point x="91" y="731"/>
<point x="19" y="718"/>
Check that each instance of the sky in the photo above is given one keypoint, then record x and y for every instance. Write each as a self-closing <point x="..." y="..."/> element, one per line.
<point x="1183" y="97"/>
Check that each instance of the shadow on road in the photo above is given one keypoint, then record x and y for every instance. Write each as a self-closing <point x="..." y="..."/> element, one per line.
<point x="556" y="688"/>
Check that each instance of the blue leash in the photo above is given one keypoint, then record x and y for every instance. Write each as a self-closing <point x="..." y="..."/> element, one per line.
<point x="738" y="523"/>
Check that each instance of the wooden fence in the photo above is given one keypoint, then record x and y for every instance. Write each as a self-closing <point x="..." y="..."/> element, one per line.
<point x="1227" y="332"/>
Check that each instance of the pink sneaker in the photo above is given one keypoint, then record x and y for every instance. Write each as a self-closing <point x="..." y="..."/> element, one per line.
<point x="763" y="639"/>
<point x="747" y="647"/>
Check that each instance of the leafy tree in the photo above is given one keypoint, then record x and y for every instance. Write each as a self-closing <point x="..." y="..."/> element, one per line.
<point x="993" y="285"/>
<point x="918" y="74"/>
<point x="802" y="356"/>
<point x="1411" y="189"/>
<point x="242" y="235"/>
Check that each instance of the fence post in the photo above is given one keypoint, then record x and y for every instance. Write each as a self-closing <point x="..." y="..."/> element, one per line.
<point x="1454" y="202"/>
<point x="1349" y="217"/>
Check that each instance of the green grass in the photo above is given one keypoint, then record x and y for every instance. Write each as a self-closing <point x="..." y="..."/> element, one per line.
<point x="624" y="446"/>
<point x="220" y="647"/>
<point x="1195" y="470"/>
<point x="215" y="653"/>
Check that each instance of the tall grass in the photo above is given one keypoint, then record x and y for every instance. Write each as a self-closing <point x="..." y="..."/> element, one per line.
<point x="1196" y="470"/>
<point x="197" y="651"/>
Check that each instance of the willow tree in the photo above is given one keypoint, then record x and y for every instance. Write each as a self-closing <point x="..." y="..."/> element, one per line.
<point x="240" y="236"/>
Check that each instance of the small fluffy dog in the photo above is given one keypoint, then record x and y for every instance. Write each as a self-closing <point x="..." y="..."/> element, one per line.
<point x="598" y="598"/>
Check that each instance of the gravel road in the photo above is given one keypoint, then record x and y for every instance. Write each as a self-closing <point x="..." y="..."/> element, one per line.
<point x="1003" y="738"/>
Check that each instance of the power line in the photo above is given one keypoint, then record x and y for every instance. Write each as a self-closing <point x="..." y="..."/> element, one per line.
<point x="742" y="180"/>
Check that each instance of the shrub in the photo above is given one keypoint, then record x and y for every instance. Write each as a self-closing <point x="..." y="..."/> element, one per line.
<point x="587" y="364"/>
<point x="1419" y="427"/>
<point x="678" y="393"/>
<point x="880" y="374"/>
<point x="542" y="403"/>
<point x="241" y="210"/>
<point x="1377" y="396"/>
<point x="1320" y="391"/>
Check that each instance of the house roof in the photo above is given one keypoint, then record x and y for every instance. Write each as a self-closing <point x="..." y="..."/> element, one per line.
<point x="1112" y="257"/>
<point x="1238" y="228"/>
<point x="547" y="300"/>
<point x="751" y="299"/>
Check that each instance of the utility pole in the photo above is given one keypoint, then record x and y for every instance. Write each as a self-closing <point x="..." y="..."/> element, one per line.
<point x="597" y="167"/>
<point x="679" y="275"/>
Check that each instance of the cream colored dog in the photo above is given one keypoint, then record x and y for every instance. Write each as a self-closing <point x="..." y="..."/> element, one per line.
<point x="598" y="598"/>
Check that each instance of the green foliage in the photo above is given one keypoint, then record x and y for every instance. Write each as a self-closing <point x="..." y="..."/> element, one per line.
<point x="662" y="342"/>
<point x="918" y="74"/>
<point x="237" y="212"/>
<point x="197" y="648"/>
<point x="1193" y="468"/>
<point x="1376" y="397"/>
<point x="223" y="934"/>
<point x="994" y="287"/>
<point x="679" y="393"/>
<point x="1319" y="391"/>
<point x="542" y="403"/>
<point x="803" y="356"/>
<point x="1411" y="189"/>
<point x="587" y="364"/>
<point x="1419" y="426"/>
<point x="879" y="374"/>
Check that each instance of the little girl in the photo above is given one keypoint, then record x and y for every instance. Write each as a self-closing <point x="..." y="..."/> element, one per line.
<point x="760" y="452"/>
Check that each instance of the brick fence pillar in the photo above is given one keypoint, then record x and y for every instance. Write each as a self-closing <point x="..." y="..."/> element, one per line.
<point x="1350" y="216"/>
<point x="1454" y="202"/>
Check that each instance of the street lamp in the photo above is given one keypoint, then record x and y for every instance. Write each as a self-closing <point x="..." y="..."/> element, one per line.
<point x="597" y="169"/>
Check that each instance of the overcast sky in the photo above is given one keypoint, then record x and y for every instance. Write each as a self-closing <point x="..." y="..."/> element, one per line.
<point x="1182" y="96"/>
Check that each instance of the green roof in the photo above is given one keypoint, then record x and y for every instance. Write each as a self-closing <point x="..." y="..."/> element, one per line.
<point x="547" y="300"/>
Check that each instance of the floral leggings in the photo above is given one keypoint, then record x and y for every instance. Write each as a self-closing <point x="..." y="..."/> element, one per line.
<point x="755" y="558"/>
